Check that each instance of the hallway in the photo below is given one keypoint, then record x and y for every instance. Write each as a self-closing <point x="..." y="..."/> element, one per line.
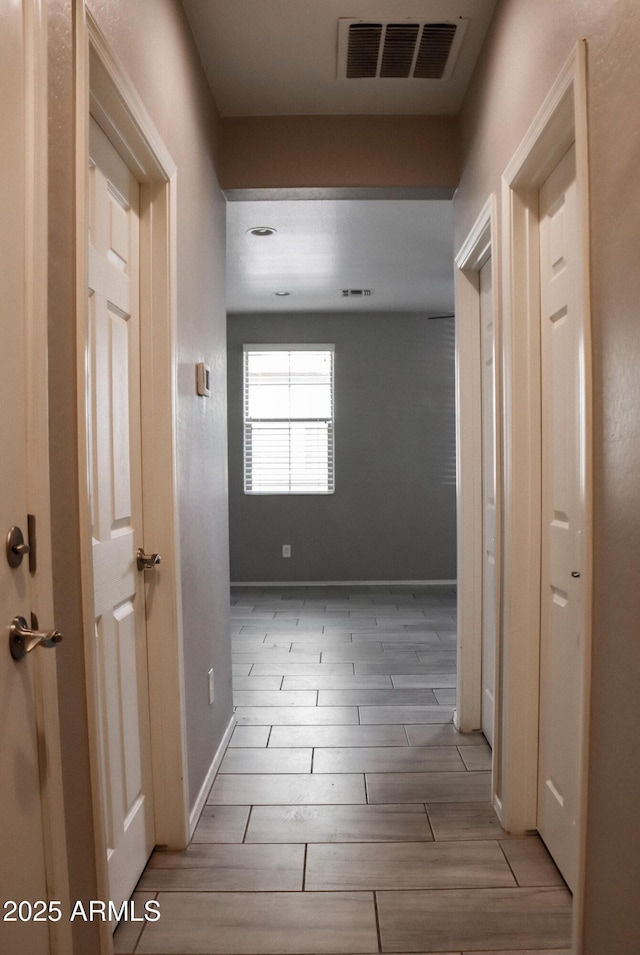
<point x="348" y="816"/>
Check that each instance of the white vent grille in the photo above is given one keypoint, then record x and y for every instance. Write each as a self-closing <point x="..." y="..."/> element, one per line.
<point x="412" y="49"/>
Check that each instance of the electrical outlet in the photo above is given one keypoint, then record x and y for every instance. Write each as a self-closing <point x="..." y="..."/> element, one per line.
<point x="286" y="550"/>
<point x="210" y="675"/>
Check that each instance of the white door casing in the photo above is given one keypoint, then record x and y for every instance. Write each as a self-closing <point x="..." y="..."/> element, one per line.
<point x="559" y="125"/>
<point x="477" y="372"/>
<point x="116" y="505"/>
<point x="563" y="516"/>
<point x="33" y="842"/>
<point x="489" y="500"/>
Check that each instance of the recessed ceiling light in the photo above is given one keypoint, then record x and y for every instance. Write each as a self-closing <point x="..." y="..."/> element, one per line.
<point x="262" y="230"/>
<point x="282" y="293"/>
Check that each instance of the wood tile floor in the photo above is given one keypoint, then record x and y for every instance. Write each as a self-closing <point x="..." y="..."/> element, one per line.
<point x="348" y="815"/>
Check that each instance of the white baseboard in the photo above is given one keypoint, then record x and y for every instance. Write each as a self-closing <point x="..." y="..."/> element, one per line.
<point x="343" y="583"/>
<point x="196" y="811"/>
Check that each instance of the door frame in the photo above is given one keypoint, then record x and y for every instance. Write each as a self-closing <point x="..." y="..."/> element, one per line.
<point x="560" y="122"/>
<point x="475" y="252"/>
<point x="34" y="13"/>
<point x="104" y="90"/>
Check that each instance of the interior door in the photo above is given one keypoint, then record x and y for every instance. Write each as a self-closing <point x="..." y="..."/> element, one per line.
<point x="563" y="515"/>
<point x="22" y="865"/>
<point x="489" y="496"/>
<point x="116" y="497"/>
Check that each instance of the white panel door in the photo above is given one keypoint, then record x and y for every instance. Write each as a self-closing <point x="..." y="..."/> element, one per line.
<point x="116" y="498"/>
<point x="22" y="861"/>
<point x="563" y="515"/>
<point x="487" y="351"/>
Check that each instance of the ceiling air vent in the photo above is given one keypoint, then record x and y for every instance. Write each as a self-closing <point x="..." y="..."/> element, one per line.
<point x="412" y="49"/>
<point x="355" y="292"/>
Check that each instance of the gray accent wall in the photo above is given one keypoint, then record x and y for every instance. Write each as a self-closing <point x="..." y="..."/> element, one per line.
<point x="392" y="516"/>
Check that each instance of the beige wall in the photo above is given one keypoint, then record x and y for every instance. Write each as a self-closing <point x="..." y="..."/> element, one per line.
<point x="526" y="47"/>
<point x="152" y="39"/>
<point x="339" y="152"/>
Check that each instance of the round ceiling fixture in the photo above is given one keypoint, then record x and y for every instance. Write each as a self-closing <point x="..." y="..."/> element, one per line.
<point x="261" y="230"/>
<point x="282" y="293"/>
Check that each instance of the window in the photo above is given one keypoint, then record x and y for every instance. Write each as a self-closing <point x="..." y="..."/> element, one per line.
<point x="288" y="419"/>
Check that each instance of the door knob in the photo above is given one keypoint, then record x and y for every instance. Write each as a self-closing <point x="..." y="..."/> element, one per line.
<point x="147" y="561"/>
<point x="22" y="639"/>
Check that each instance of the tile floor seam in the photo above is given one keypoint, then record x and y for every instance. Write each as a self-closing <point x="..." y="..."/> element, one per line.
<point x="375" y="909"/>
<point x="508" y="862"/>
<point x="304" y="867"/>
<point x="243" y="841"/>
<point x="433" y="835"/>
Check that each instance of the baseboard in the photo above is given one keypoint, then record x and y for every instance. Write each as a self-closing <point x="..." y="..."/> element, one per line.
<point x="497" y="805"/>
<point x="196" y="812"/>
<point x="343" y="583"/>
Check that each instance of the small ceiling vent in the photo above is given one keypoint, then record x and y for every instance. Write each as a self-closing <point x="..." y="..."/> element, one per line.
<point x="412" y="49"/>
<point x="356" y="292"/>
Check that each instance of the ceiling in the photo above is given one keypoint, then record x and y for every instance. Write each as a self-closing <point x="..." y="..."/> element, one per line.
<point x="281" y="57"/>
<point x="401" y="250"/>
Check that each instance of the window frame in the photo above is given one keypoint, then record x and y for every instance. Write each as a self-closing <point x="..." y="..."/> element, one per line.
<point x="247" y="420"/>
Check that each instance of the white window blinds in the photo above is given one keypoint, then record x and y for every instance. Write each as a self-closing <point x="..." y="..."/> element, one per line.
<point x="288" y="419"/>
